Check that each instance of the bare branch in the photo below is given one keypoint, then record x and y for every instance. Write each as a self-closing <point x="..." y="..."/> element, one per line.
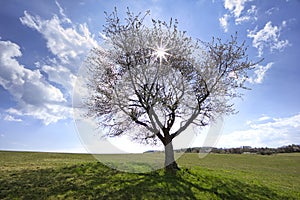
<point x="150" y="79"/>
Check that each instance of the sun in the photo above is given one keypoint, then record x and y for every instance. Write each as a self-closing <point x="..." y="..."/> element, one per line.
<point x="160" y="52"/>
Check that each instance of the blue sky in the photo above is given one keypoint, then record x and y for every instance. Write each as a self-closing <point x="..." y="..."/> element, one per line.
<point x="43" y="43"/>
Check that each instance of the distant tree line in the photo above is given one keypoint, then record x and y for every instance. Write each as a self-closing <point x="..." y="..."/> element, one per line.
<point x="243" y="150"/>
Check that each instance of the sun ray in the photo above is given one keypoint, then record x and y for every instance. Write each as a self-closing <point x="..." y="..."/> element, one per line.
<point x="160" y="52"/>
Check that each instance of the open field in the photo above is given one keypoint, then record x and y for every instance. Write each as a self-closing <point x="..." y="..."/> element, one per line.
<point x="217" y="176"/>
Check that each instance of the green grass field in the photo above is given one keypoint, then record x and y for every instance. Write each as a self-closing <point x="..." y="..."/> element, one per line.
<point x="217" y="176"/>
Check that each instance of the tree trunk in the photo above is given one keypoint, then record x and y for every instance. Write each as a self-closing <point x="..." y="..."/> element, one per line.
<point x="170" y="163"/>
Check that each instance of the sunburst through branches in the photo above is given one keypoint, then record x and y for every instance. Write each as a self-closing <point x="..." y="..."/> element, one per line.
<point x="160" y="52"/>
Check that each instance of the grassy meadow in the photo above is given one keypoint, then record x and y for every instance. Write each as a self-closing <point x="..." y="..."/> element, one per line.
<point x="28" y="175"/>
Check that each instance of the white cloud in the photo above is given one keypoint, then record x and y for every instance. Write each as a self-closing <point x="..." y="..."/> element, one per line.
<point x="235" y="6"/>
<point x="242" y="19"/>
<point x="103" y="36"/>
<point x="224" y="22"/>
<point x="264" y="118"/>
<point x="11" y="118"/>
<point x="61" y="75"/>
<point x="260" y="119"/>
<point x="268" y="37"/>
<point x="272" y="10"/>
<point x="24" y="83"/>
<point x="70" y="44"/>
<point x="34" y="96"/>
<point x="284" y="23"/>
<point x="62" y="13"/>
<point x="275" y="133"/>
<point x="251" y="14"/>
<point x="281" y="123"/>
<point x="260" y="73"/>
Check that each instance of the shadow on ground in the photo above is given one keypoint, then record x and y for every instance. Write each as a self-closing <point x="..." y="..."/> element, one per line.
<point x="96" y="181"/>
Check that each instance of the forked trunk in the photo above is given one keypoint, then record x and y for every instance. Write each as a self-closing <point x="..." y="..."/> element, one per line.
<point x="170" y="163"/>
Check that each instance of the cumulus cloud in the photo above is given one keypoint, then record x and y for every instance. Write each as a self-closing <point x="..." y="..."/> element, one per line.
<point x="274" y="133"/>
<point x="236" y="11"/>
<point x="60" y="75"/>
<point x="62" y="13"/>
<point x="268" y="37"/>
<point x="69" y="43"/>
<point x="44" y="91"/>
<point x="224" y="22"/>
<point x="34" y="95"/>
<point x="235" y="6"/>
<point x="11" y="118"/>
<point x="251" y="14"/>
<point x="260" y="73"/>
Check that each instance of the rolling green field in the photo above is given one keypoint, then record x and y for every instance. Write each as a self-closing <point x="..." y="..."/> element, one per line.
<point x="25" y="175"/>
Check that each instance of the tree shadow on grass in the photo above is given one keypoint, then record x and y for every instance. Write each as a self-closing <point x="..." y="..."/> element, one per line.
<point x="96" y="181"/>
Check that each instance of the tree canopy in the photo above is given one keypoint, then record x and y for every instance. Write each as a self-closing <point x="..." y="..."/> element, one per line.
<point x="152" y="83"/>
